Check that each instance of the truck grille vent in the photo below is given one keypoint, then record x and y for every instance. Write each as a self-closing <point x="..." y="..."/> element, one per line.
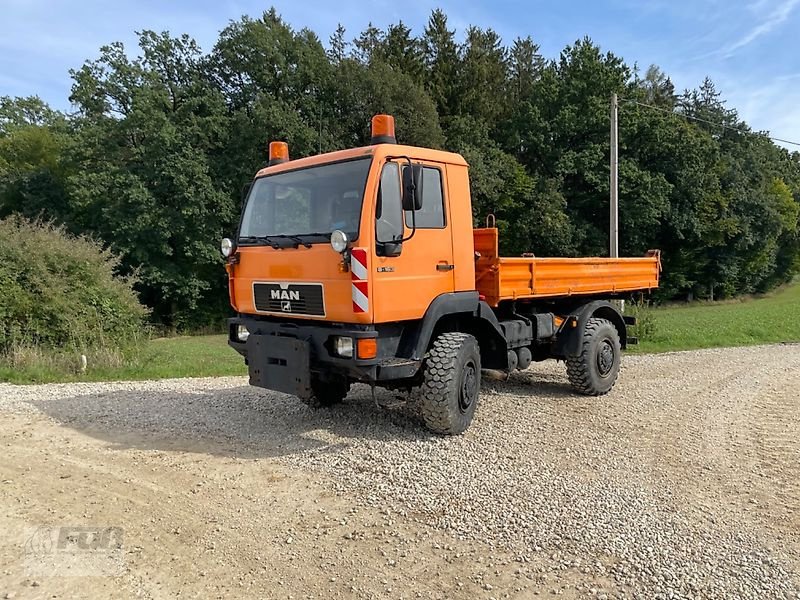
<point x="289" y="298"/>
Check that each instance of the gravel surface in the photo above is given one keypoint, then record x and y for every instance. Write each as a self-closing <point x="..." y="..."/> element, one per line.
<point x="684" y="482"/>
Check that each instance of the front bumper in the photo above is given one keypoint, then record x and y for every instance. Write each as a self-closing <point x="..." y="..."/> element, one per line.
<point x="285" y="355"/>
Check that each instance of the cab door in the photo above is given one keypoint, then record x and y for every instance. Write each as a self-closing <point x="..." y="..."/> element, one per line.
<point x="406" y="284"/>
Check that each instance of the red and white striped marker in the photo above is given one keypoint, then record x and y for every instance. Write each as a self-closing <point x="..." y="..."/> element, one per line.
<point x="360" y="276"/>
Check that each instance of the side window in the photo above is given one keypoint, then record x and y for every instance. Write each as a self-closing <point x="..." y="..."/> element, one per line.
<point x="389" y="207"/>
<point x="431" y="215"/>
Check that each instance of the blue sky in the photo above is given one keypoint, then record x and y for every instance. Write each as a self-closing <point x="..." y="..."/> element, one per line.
<point x="750" y="49"/>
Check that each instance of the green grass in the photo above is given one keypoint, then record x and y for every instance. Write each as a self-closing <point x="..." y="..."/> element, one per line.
<point x="768" y="319"/>
<point x="188" y="356"/>
<point x="762" y="320"/>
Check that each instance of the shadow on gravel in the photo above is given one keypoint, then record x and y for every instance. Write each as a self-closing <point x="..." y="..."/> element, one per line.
<point x="529" y="383"/>
<point x="243" y="421"/>
<point x="254" y="423"/>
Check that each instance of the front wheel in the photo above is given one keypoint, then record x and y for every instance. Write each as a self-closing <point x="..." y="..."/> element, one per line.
<point x="451" y="384"/>
<point x="594" y="371"/>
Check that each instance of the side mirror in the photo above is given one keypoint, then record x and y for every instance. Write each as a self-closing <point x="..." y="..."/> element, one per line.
<point x="390" y="249"/>
<point x="412" y="187"/>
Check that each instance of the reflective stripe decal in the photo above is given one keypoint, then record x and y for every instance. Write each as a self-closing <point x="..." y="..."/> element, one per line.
<point x="360" y="298"/>
<point x="360" y="284"/>
<point x="358" y="264"/>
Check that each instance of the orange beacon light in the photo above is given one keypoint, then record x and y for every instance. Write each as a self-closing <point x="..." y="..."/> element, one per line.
<point x="383" y="130"/>
<point x="278" y="153"/>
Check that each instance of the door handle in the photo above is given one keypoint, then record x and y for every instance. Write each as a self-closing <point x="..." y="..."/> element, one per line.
<point x="443" y="266"/>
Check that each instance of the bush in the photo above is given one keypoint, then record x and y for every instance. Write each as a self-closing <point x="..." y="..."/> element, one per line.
<point x="642" y="310"/>
<point x="60" y="292"/>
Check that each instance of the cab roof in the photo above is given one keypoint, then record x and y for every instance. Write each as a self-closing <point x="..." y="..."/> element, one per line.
<point x="379" y="151"/>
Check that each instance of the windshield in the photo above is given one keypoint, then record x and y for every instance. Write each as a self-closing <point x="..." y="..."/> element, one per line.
<point x="306" y="203"/>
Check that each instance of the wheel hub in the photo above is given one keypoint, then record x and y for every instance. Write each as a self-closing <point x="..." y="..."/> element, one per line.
<point x="605" y="358"/>
<point x="469" y="387"/>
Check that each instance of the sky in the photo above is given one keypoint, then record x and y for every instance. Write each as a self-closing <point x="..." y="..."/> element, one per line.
<point x="748" y="48"/>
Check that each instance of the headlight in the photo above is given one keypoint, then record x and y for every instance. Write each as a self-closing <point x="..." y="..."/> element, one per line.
<point x="226" y="246"/>
<point x="339" y="241"/>
<point x="241" y="333"/>
<point x="343" y="346"/>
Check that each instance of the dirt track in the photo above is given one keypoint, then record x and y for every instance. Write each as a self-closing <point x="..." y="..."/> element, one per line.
<point x="683" y="482"/>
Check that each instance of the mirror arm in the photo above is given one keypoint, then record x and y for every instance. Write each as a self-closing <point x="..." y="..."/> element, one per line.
<point x="413" y="226"/>
<point x="413" y="211"/>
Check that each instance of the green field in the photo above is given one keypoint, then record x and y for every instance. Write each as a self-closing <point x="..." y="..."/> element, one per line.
<point x="769" y="319"/>
<point x="763" y="320"/>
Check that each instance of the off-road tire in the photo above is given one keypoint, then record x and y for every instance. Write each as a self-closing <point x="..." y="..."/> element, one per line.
<point x="326" y="393"/>
<point x="594" y="371"/>
<point x="451" y="383"/>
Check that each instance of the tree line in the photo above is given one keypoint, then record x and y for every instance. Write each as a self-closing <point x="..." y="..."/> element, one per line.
<point x="153" y="156"/>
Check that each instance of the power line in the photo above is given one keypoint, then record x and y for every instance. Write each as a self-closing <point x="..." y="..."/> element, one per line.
<point x="707" y="122"/>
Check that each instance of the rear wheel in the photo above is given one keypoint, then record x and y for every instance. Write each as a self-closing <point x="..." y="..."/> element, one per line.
<point x="594" y="371"/>
<point x="326" y="393"/>
<point x="451" y="383"/>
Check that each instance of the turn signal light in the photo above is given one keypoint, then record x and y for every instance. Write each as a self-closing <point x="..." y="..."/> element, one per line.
<point x="383" y="130"/>
<point x="367" y="347"/>
<point x="278" y="153"/>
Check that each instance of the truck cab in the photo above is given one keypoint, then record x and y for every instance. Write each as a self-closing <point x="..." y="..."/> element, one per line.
<point x="357" y="265"/>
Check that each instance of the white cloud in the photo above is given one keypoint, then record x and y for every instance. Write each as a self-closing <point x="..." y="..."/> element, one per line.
<point x="775" y="18"/>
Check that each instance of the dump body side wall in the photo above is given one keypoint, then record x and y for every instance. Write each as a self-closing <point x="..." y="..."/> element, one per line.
<point x="499" y="278"/>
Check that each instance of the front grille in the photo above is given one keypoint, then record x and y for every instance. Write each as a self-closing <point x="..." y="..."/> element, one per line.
<point x="289" y="298"/>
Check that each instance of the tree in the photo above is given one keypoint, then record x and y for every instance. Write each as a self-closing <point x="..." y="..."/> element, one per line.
<point x="145" y="134"/>
<point x="33" y="166"/>
<point x="441" y="63"/>
<point x="337" y="46"/>
<point x="525" y="68"/>
<point x="483" y="74"/>
<point x="367" y="45"/>
<point x="401" y="51"/>
<point x="658" y="88"/>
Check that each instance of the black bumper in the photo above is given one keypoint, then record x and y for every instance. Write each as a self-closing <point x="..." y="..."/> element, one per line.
<point x="285" y="356"/>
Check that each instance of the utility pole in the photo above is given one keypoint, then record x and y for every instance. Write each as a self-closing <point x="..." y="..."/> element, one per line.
<point x="320" y="129"/>
<point x="614" y="181"/>
<point x="613" y="233"/>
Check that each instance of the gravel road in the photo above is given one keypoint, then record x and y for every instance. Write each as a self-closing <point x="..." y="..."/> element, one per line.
<point x="684" y="482"/>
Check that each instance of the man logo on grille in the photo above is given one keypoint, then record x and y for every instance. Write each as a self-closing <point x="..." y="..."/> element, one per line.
<point x="286" y="306"/>
<point x="284" y="295"/>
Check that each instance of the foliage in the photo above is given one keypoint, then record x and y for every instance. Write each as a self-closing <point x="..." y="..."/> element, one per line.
<point x="646" y="325"/>
<point x="164" y="136"/>
<point x="60" y="292"/>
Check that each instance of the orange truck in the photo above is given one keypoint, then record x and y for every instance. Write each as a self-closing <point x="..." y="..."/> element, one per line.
<point x="363" y="265"/>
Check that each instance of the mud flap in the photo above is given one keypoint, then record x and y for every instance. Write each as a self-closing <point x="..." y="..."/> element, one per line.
<point x="280" y="363"/>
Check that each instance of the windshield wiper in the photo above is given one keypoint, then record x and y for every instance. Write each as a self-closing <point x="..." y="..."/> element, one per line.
<point x="261" y="238"/>
<point x="298" y="239"/>
<point x="270" y="239"/>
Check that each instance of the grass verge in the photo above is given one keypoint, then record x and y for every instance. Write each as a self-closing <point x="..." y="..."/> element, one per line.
<point x="161" y="358"/>
<point x="762" y="320"/>
<point x="768" y="319"/>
